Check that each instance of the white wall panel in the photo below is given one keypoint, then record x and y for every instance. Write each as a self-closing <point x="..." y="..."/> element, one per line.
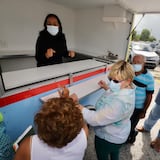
<point x="85" y="30"/>
<point x="22" y="20"/>
<point x="96" y="37"/>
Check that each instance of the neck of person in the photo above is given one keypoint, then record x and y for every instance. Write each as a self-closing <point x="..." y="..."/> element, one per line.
<point x="140" y="72"/>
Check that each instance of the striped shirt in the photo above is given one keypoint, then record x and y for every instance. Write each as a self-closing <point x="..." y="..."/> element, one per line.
<point x="144" y="84"/>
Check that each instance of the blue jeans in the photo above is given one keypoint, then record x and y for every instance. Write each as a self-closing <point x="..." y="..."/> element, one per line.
<point x="153" y="117"/>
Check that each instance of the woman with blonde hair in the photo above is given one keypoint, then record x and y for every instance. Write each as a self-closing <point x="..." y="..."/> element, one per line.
<point x="111" y="119"/>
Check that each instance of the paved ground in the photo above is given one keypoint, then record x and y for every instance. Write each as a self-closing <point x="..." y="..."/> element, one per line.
<point x="141" y="149"/>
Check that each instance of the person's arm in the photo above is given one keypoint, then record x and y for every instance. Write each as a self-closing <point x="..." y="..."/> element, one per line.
<point x="63" y="92"/>
<point x="85" y="127"/>
<point x="50" y="53"/>
<point x="106" y="115"/>
<point x="71" y="54"/>
<point x="43" y="51"/>
<point x="23" y="152"/>
<point x="40" y="50"/>
<point x="64" y="48"/>
<point x="146" y="104"/>
<point x="103" y="85"/>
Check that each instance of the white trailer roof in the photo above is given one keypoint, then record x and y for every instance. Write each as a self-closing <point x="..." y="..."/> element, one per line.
<point x="135" y="6"/>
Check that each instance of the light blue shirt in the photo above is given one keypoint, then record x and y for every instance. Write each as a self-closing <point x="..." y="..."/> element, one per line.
<point x="111" y="120"/>
<point x="144" y="83"/>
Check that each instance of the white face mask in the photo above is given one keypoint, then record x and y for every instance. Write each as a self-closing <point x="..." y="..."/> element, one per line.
<point x="137" y="67"/>
<point x="114" y="86"/>
<point x="53" y="30"/>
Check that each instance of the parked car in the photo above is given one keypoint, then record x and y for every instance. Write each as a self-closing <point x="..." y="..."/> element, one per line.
<point x="151" y="58"/>
<point x="157" y="50"/>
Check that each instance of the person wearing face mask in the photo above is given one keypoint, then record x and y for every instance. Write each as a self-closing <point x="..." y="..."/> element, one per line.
<point x="51" y="43"/>
<point x="144" y="82"/>
<point x="111" y="119"/>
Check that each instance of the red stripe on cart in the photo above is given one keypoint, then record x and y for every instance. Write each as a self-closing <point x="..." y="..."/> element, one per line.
<point x="45" y="88"/>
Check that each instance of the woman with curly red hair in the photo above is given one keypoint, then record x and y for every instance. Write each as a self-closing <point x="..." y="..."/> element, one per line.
<point x="61" y="133"/>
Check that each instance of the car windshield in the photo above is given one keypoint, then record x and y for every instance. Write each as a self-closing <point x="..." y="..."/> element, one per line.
<point x="142" y="47"/>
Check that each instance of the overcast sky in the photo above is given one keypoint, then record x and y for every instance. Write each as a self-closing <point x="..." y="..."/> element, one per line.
<point x="150" y="22"/>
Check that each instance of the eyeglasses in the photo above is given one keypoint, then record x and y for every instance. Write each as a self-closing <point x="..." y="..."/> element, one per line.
<point x="114" y="80"/>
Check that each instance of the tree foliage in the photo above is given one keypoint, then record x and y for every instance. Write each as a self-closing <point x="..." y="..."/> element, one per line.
<point x="144" y="36"/>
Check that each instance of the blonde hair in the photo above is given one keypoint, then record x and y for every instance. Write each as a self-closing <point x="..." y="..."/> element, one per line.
<point x="122" y="70"/>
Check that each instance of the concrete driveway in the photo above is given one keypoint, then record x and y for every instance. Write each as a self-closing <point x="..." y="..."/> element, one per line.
<point x="156" y="73"/>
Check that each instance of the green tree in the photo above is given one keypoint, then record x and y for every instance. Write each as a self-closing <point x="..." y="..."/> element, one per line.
<point x="135" y="36"/>
<point x="145" y="34"/>
<point x="152" y="38"/>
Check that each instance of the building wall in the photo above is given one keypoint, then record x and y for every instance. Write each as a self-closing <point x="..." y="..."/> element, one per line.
<point x="97" y="37"/>
<point x="85" y="31"/>
<point x="22" y="20"/>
